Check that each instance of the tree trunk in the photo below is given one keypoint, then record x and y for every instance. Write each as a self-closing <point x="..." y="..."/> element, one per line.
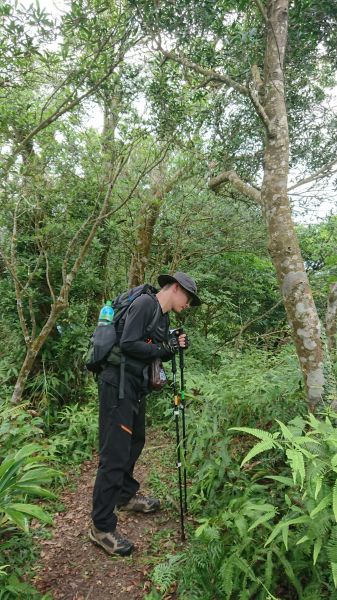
<point x="33" y="348"/>
<point x="145" y="227"/>
<point x="331" y="316"/>
<point x="111" y="113"/>
<point x="283" y="244"/>
<point x="146" y="222"/>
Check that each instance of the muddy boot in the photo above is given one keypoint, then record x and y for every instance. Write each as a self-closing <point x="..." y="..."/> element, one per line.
<point x="112" y="542"/>
<point x="139" y="503"/>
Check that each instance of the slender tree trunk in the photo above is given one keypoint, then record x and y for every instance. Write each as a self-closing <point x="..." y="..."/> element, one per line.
<point x="146" y="222"/>
<point x="283" y="244"/>
<point x="111" y="113"/>
<point x="33" y="348"/>
<point x="331" y="317"/>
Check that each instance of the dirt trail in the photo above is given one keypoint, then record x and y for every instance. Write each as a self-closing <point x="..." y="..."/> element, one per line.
<point x="72" y="568"/>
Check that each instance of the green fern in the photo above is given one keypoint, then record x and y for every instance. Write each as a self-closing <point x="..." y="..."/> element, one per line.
<point x="259" y="433"/>
<point x="334" y="499"/>
<point x="165" y="574"/>
<point x="332" y="545"/>
<point x="268" y="573"/>
<point x="324" y="503"/>
<point x="258" y="449"/>
<point x="289" y="571"/>
<point x="226" y="576"/>
<point x="297" y="464"/>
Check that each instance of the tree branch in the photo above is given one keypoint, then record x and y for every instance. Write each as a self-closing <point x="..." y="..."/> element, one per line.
<point x="324" y="171"/>
<point x="262" y="10"/>
<point x="210" y="74"/>
<point x="230" y="176"/>
<point x="17" y="284"/>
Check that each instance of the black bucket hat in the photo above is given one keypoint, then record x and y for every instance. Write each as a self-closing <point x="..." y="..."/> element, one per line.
<point x="185" y="281"/>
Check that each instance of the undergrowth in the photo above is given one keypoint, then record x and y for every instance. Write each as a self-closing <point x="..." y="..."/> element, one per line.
<point x="263" y="533"/>
<point x="65" y="442"/>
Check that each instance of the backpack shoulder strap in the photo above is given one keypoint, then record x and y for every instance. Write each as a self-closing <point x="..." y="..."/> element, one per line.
<point x="152" y="325"/>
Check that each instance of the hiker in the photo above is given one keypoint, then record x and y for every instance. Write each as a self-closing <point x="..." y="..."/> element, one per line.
<point x="122" y="411"/>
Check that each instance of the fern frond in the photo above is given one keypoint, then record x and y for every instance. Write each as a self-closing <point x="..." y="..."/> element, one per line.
<point x="263" y="519"/>
<point x="277" y="530"/>
<point x="285" y="535"/>
<point x="281" y="479"/>
<point x="226" y="576"/>
<point x="334" y="573"/>
<point x="297" y="464"/>
<point x="321" y="505"/>
<point x="165" y="574"/>
<point x="287" y="434"/>
<point x="334" y="499"/>
<point x="289" y="571"/>
<point x="243" y="565"/>
<point x="259" y="433"/>
<point x="241" y="525"/>
<point x="332" y="546"/>
<point x="258" y="449"/>
<point x="317" y="549"/>
<point x="268" y="573"/>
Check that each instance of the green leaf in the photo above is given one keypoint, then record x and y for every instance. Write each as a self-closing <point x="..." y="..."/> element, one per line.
<point x="17" y="517"/>
<point x="317" y="549"/>
<point x="277" y="530"/>
<point x="266" y="517"/>
<point x="40" y="474"/>
<point x="321" y="505"/>
<point x="281" y="479"/>
<point x="289" y="572"/>
<point x="33" y="511"/>
<point x="36" y="490"/>
<point x="241" y="525"/>
<point x="285" y="533"/>
<point x="259" y="433"/>
<point x="297" y="464"/>
<point x="319" y="482"/>
<point x="26" y="451"/>
<point x="334" y="499"/>
<point x="285" y="431"/>
<point x="334" y="573"/>
<point x="258" y="449"/>
<point x="302" y="540"/>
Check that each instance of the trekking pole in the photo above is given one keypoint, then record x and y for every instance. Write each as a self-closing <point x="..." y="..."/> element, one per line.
<point x="182" y="395"/>
<point x="176" y="416"/>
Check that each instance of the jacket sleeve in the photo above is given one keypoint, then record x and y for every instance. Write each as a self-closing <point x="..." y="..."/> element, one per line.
<point x="132" y="343"/>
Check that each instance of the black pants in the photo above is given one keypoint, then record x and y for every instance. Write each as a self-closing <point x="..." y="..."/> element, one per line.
<point x="121" y="441"/>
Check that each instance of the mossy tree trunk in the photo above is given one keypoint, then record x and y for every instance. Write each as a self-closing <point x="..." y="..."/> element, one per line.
<point x="283" y="243"/>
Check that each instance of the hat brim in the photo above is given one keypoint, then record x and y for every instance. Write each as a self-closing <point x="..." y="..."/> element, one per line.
<point x="165" y="279"/>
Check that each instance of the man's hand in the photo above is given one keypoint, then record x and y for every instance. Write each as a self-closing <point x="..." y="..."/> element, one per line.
<point x="183" y="341"/>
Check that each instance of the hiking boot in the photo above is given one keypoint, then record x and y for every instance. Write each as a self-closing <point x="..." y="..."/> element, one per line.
<point x="112" y="542"/>
<point x="144" y="504"/>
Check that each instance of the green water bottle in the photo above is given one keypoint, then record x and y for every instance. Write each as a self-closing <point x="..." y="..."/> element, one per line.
<point x="107" y="314"/>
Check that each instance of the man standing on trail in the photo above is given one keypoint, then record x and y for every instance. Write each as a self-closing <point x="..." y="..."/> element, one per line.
<point x="122" y="416"/>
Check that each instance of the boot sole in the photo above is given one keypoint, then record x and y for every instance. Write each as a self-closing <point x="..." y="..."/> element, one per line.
<point x="107" y="550"/>
<point x="149" y="510"/>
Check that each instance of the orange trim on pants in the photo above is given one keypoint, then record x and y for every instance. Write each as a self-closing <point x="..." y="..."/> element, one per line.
<point x="125" y="428"/>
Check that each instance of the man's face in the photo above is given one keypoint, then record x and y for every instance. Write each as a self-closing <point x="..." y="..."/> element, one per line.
<point x="181" y="299"/>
